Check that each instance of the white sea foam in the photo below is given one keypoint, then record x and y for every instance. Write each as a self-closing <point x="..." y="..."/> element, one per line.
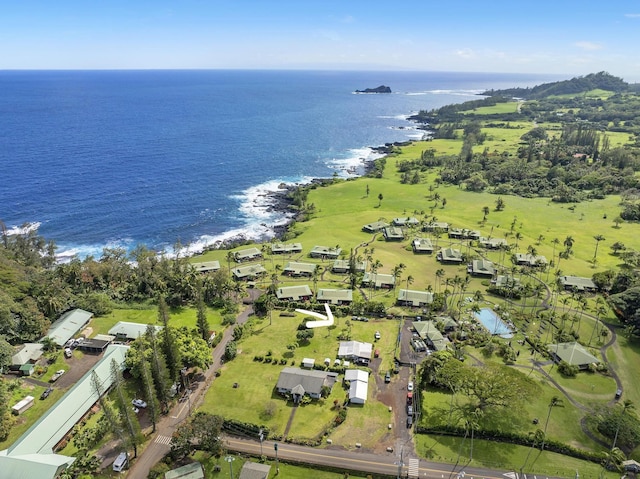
<point x="354" y="164"/>
<point x="68" y="252"/>
<point x="24" y="229"/>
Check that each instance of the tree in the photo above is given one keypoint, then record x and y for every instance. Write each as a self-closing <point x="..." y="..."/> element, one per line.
<point x="201" y="321"/>
<point x="169" y="347"/>
<point x="500" y="205"/>
<point x="380" y="198"/>
<point x="617" y="247"/>
<point x="128" y="419"/>
<point x="153" y="406"/>
<point x="555" y="402"/>
<point x="598" y="238"/>
<point x="568" y="244"/>
<point x="6" y="420"/>
<point x="485" y="213"/>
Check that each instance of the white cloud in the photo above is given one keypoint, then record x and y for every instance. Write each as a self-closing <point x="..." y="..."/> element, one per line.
<point x="465" y="53"/>
<point x="347" y="19"/>
<point x="632" y="15"/>
<point x="590" y="46"/>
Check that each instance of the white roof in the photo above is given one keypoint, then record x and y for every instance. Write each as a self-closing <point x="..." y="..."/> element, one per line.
<point x="356" y="375"/>
<point x="355" y="349"/>
<point x="358" y="392"/>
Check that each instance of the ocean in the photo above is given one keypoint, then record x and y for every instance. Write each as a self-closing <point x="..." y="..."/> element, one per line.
<point x="96" y="159"/>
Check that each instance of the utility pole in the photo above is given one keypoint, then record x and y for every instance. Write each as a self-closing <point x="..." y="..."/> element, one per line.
<point x="261" y="436"/>
<point x="401" y="463"/>
<point x="275" y="446"/>
<point x="230" y="460"/>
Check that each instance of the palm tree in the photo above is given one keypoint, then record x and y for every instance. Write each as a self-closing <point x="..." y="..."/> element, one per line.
<point x="409" y="281"/>
<point x="568" y="243"/>
<point x="439" y="276"/>
<point x="380" y="198"/>
<point x="626" y="406"/>
<point x="537" y="437"/>
<point x="485" y="213"/>
<point x="598" y="238"/>
<point x="518" y="237"/>
<point x="555" y="402"/>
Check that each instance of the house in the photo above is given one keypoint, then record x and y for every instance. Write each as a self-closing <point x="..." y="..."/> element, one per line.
<point x="308" y="363"/>
<point x="462" y="234"/>
<point x="190" y="471"/>
<point x="286" y="248"/>
<point x="576" y="283"/>
<point x="450" y="256"/>
<point x="430" y="334"/>
<point x="374" y="227"/>
<point x="254" y="470"/>
<point x="355" y="351"/>
<point x="22" y="405"/>
<point x="493" y="243"/>
<point x="378" y="280"/>
<point x="335" y="296"/>
<point x="123" y="330"/>
<point x="248" y="273"/>
<point x="506" y="281"/>
<point x="206" y="267"/>
<point x="482" y="268"/>
<point x="408" y="297"/>
<point x="344" y="266"/>
<point x="435" y="227"/>
<point x="358" y="382"/>
<point x="295" y="269"/>
<point x="29" y="354"/>
<point x="526" y="259"/>
<point x="95" y="345"/>
<point x="422" y="246"/>
<point x="325" y="252"/>
<point x="393" y="233"/>
<point x="573" y="353"/>
<point x="68" y="325"/>
<point x="409" y="221"/>
<point x="304" y="382"/>
<point x="248" y="254"/>
<point x="294" y="293"/>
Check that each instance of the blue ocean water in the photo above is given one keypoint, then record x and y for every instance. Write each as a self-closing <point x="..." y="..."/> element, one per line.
<point x="120" y="158"/>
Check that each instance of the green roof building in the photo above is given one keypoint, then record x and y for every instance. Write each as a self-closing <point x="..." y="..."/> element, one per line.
<point x="335" y="296"/>
<point x="573" y="353"/>
<point x="378" y="280"/>
<point x="248" y="272"/>
<point x="449" y="255"/>
<point x="393" y="233"/>
<point x="422" y="246"/>
<point x="286" y="248"/>
<point x="299" y="269"/>
<point x="68" y="325"/>
<point x="407" y="297"/>
<point x="190" y="471"/>
<point x="577" y="283"/>
<point x="294" y="293"/>
<point x="409" y="221"/>
<point x="206" y="267"/>
<point x="248" y="254"/>
<point x="375" y="227"/>
<point x="325" y="252"/>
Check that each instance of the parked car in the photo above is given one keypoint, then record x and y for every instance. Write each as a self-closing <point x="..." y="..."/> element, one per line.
<point x="45" y="393"/>
<point x="68" y="353"/>
<point x="139" y="403"/>
<point x="409" y="421"/>
<point x="56" y="375"/>
<point x="410" y="386"/>
<point x="618" y="393"/>
<point x="409" y="410"/>
<point x="387" y="377"/>
<point x="377" y="335"/>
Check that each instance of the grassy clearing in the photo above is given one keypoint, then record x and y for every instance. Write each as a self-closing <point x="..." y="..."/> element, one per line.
<point x="504" y="456"/>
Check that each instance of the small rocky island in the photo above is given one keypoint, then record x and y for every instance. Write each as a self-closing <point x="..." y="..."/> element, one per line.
<point x="380" y="89"/>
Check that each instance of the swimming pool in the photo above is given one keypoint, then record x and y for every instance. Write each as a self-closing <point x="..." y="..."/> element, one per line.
<point x="490" y="320"/>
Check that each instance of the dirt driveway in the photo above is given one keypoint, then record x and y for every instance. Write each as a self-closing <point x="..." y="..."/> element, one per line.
<point x="78" y="364"/>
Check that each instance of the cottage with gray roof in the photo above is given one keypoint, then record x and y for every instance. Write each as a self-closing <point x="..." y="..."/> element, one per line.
<point x="189" y="471"/>
<point x="450" y="255"/>
<point x="248" y="254"/>
<point x="29" y="353"/>
<point x="375" y="227"/>
<point x="393" y="233"/>
<point x="407" y="221"/>
<point x="286" y="248"/>
<point x="294" y="293"/>
<point x="378" y="280"/>
<point x="124" y="330"/>
<point x="408" y="297"/>
<point x="325" y="252"/>
<point x="355" y="351"/>
<point x="463" y="233"/>
<point x="206" y="266"/>
<point x="335" y="296"/>
<point x="422" y="246"/>
<point x="296" y="269"/>
<point x="435" y="226"/>
<point x="492" y="243"/>
<point x="344" y="266"/>
<point x="304" y="382"/>
<point x="482" y="268"/>
<point x="526" y="259"/>
<point x="254" y="470"/>
<point x="249" y="273"/>
<point x="577" y="283"/>
<point x="429" y="333"/>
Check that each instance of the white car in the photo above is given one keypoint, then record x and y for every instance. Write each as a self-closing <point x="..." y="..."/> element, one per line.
<point x="139" y="403"/>
<point x="410" y="386"/>
<point x="377" y="335"/>
<point x="57" y="375"/>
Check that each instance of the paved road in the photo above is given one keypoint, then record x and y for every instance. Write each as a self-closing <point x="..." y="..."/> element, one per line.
<point x="389" y="464"/>
<point x="159" y="446"/>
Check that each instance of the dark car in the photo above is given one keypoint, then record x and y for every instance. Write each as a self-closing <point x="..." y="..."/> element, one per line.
<point x="387" y="377"/>
<point x="409" y="421"/>
<point x="409" y="410"/>
<point x="45" y="393"/>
